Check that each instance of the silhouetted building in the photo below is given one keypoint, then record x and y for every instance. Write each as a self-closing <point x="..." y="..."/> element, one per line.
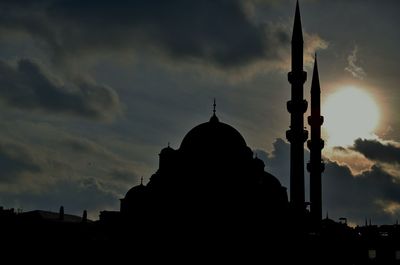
<point x="213" y="182"/>
<point x="297" y="106"/>
<point x="211" y="189"/>
<point x="315" y="166"/>
<point x="6" y="213"/>
<point x="40" y="216"/>
<point x="214" y="177"/>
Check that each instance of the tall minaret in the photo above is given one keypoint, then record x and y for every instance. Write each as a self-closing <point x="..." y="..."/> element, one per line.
<point x="315" y="166"/>
<point x="297" y="106"/>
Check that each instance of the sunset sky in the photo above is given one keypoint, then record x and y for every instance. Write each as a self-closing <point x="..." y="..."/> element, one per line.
<point x="91" y="91"/>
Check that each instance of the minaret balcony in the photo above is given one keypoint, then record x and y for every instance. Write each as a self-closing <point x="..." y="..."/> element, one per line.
<point x="322" y="166"/>
<point x="296" y="137"/>
<point x="289" y="135"/>
<point x="305" y="136"/>
<point x="311" y="144"/>
<point x="315" y="121"/>
<point x="297" y="77"/>
<point x="297" y="106"/>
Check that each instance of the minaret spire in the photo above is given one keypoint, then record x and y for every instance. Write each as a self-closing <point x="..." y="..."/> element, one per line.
<point x="297" y="106"/>
<point x="297" y="28"/>
<point x="315" y="78"/>
<point x="315" y="166"/>
<point x="297" y="41"/>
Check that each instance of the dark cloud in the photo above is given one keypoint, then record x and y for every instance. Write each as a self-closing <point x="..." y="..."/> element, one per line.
<point x="28" y="86"/>
<point x="56" y="168"/>
<point x="278" y="161"/>
<point x="378" y="151"/>
<point x="124" y="175"/>
<point x="367" y="195"/>
<point x="81" y="145"/>
<point x="219" y="32"/>
<point x="15" y="160"/>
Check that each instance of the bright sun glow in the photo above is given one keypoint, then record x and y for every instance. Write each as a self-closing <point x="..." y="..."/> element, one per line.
<point x="350" y="113"/>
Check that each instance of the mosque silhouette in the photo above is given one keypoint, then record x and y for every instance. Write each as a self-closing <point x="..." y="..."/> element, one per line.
<point x="212" y="198"/>
<point x="214" y="175"/>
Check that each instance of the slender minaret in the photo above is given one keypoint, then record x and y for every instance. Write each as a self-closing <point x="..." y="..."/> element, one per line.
<point x="315" y="166"/>
<point x="297" y="106"/>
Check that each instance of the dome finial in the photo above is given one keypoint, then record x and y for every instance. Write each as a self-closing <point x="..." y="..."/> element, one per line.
<point x="214" y="117"/>
<point x="141" y="181"/>
<point x="214" y="106"/>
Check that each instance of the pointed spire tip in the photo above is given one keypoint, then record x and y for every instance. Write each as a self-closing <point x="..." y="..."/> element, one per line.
<point x="315" y="86"/>
<point x="297" y="34"/>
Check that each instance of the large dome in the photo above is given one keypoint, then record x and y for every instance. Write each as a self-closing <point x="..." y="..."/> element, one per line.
<point x="213" y="135"/>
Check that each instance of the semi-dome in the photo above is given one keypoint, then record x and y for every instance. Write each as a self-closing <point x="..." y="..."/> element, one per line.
<point x="213" y="135"/>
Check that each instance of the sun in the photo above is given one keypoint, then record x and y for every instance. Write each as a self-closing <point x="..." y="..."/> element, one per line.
<point x="350" y="113"/>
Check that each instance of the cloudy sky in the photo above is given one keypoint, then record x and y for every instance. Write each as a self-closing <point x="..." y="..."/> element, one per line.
<point x="91" y="91"/>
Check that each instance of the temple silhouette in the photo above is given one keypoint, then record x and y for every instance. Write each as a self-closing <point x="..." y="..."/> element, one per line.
<point x="213" y="197"/>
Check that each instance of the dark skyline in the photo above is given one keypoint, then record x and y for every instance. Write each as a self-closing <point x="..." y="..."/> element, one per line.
<point x="92" y="91"/>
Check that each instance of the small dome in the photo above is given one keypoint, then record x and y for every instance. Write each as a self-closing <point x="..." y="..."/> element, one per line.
<point x="135" y="191"/>
<point x="213" y="135"/>
<point x="167" y="150"/>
